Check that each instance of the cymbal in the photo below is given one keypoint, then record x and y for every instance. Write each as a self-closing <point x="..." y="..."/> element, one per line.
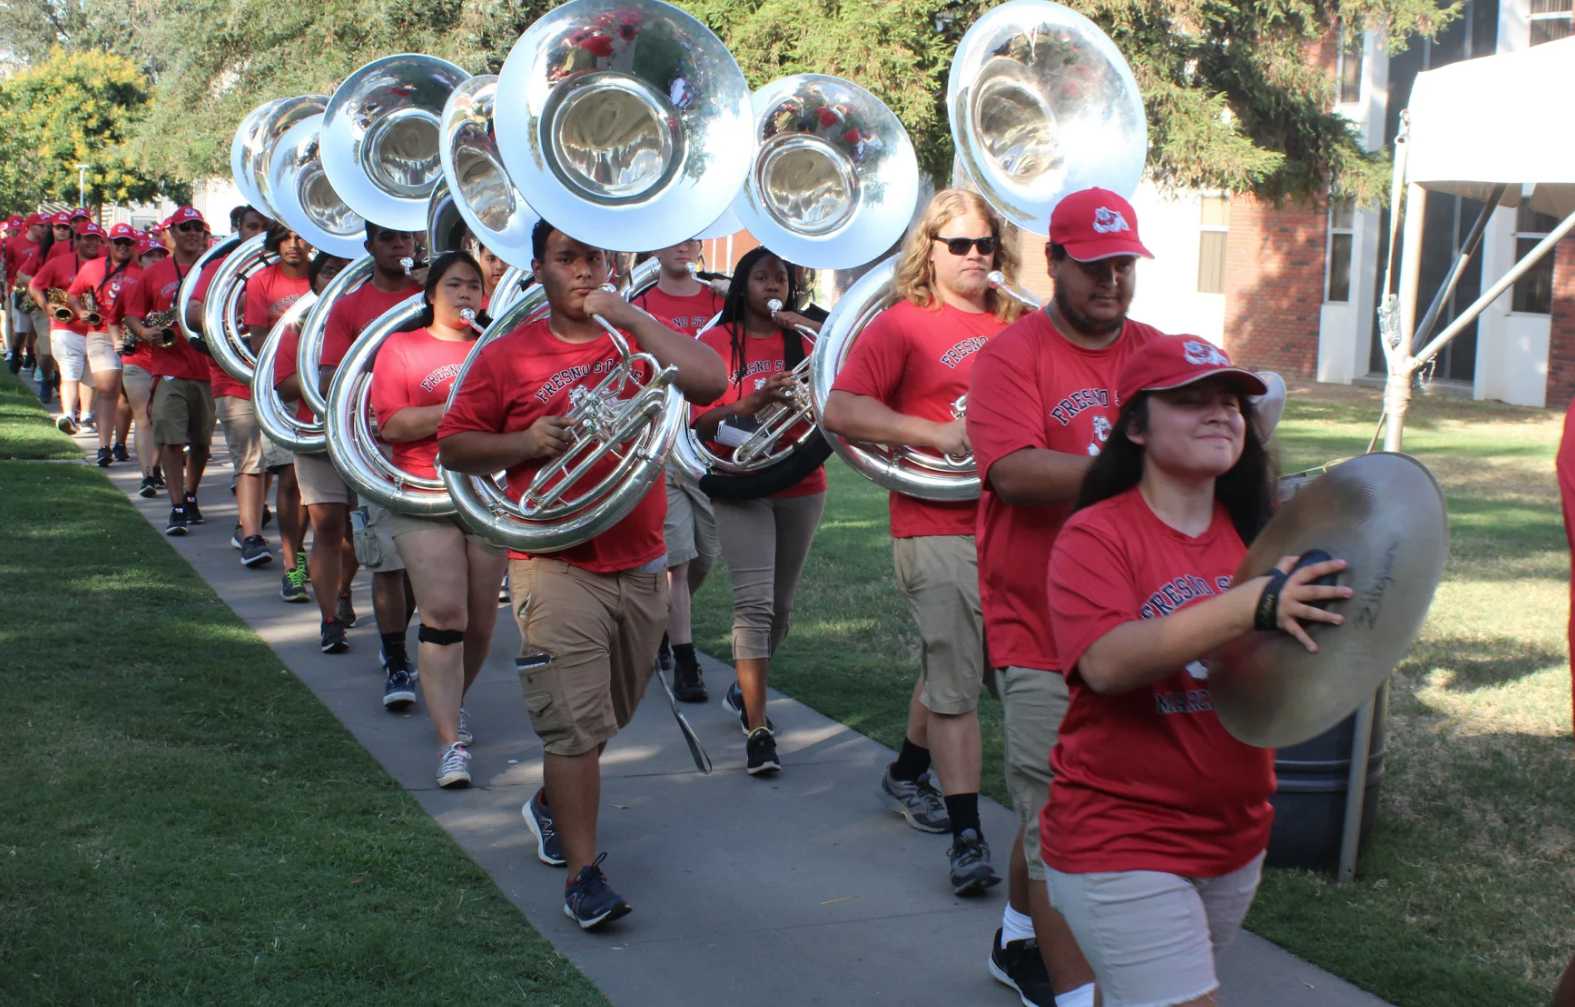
<point x="1382" y="513"/>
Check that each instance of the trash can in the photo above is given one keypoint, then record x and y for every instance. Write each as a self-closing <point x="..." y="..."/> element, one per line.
<point x="1309" y="803"/>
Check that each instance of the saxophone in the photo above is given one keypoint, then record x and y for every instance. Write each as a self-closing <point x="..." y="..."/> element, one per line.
<point x="59" y="305"/>
<point x="90" y="313"/>
<point x="164" y="322"/>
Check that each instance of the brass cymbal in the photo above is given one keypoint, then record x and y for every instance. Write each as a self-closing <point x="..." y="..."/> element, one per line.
<point x="1383" y="514"/>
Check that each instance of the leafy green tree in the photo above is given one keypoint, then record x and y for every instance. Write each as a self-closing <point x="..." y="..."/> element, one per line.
<point x="75" y="108"/>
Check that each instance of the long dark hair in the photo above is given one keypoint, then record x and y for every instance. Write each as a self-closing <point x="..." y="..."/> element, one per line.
<point x="1247" y="490"/>
<point x="736" y="305"/>
<point x="435" y="273"/>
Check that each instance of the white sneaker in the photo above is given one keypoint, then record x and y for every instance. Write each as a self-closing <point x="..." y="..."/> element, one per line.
<point x="465" y="737"/>
<point x="454" y="766"/>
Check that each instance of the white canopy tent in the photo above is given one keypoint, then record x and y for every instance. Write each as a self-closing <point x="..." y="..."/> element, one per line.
<point x="1480" y="129"/>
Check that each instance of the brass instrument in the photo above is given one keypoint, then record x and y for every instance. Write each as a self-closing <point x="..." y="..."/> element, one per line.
<point x="60" y="305"/>
<point x="765" y="445"/>
<point x="90" y="312"/>
<point x="163" y="322"/>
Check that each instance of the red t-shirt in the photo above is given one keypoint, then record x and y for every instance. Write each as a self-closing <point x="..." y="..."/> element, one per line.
<point x="269" y="295"/>
<point x="762" y="358"/>
<point x="354" y="312"/>
<point x="284" y="367"/>
<point x="1032" y="388"/>
<point x="415" y="369"/>
<point x="917" y="361"/>
<point x="529" y="374"/>
<point x="156" y="292"/>
<point x="60" y="271"/>
<point x="1147" y="780"/>
<point x="59" y="248"/>
<point x="681" y="314"/>
<point x="224" y="386"/>
<point x="17" y="252"/>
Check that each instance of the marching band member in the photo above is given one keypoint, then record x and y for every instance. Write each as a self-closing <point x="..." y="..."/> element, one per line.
<point x="392" y="602"/>
<point x="269" y="295"/>
<point x="765" y="540"/>
<point x="1156" y="827"/>
<point x="684" y="304"/>
<point x="56" y="237"/>
<point x="136" y="374"/>
<point x="107" y="279"/>
<point x="1040" y="408"/>
<point x="182" y="398"/>
<point x="492" y="270"/>
<point x="898" y="386"/>
<point x="23" y="238"/>
<point x="454" y="572"/>
<point x="590" y="616"/>
<point x="68" y="336"/>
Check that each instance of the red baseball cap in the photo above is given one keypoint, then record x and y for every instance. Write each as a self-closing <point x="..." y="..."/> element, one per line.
<point x="184" y="214"/>
<point x="91" y="228"/>
<point x="14" y="219"/>
<point x="123" y="231"/>
<point x="81" y="211"/>
<point x="61" y="219"/>
<point x="1168" y="362"/>
<point x="1094" y="224"/>
<point x="34" y="218"/>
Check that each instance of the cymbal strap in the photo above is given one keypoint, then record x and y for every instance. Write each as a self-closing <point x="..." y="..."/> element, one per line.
<point x="1266" y="616"/>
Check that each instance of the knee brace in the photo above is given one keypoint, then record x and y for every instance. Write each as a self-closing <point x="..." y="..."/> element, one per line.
<point x="441" y="637"/>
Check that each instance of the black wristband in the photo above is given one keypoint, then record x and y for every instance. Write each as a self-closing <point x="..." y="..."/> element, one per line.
<point x="1266" y="616"/>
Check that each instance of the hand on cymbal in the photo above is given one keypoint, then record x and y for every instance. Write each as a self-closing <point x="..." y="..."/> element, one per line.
<point x="1299" y="594"/>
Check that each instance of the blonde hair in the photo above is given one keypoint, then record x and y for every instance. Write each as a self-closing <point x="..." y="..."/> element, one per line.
<point x="915" y="277"/>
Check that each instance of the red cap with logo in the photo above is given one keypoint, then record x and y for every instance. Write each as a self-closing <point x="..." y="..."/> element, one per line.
<point x="34" y="218"/>
<point x="81" y="211"/>
<point x="1169" y="362"/>
<point x="1094" y="224"/>
<point x="184" y="214"/>
<point x="91" y="229"/>
<point x="61" y="219"/>
<point x="15" y="220"/>
<point x="126" y="231"/>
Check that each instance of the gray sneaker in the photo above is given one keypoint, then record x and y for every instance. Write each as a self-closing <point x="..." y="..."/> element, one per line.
<point x="454" y="767"/>
<point x="969" y="863"/>
<point x="919" y="802"/>
<point x="537" y="818"/>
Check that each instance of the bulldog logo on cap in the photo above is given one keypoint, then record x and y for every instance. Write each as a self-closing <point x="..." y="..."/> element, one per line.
<point x="1108" y="221"/>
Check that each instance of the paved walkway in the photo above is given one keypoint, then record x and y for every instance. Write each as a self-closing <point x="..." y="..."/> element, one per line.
<point x="798" y="890"/>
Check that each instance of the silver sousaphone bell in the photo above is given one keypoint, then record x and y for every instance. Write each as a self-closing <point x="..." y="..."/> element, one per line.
<point x="476" y="178"/>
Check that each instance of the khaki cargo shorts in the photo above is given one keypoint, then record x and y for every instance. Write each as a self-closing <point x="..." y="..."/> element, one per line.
<point x="319" y="481"/>
<point x="372" y="526"/>
<point x="242" y="435"/>
<point x="588" y="647"/>
<point x="690" y="525"/>
<point x="183" y="412"/>
<point x="939" y="575"/>
<point x="1032" y="705"/>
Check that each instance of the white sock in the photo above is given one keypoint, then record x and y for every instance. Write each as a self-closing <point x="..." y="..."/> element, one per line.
<point x="1015" y="926"/>
<point x="1083" y="996"/>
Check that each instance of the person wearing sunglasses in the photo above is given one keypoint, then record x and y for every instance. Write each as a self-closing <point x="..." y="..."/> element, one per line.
<point x="899" y="386"/>
<point x="68" y="327"/>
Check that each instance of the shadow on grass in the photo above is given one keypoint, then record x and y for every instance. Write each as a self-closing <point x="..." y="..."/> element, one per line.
<point x="1474" y="663"/>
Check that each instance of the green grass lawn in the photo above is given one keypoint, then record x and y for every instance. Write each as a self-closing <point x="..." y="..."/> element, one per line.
<point x="184" y="821"/>
<point x="1465" y="888"/>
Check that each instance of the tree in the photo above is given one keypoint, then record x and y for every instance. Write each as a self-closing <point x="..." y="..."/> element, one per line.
<point x="31" y="29"/>
<point x="74" y="108"/>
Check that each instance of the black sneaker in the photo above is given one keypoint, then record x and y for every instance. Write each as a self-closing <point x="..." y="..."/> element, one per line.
<point x="235" y="537"/>
<point x="345" y="612"/>
<point x="29" y="362"/>
<point x="761" y="752"/>
<point x="664" y="654"/>
<point x="539" y="820"/>
<point x="333" y="639"/>
<point x="688" y="685"/>
<point x="193" y="512"/>
<point x="292" y="588"/>
<point x="398" y="693"/>
<point x="590" y="901"/>
<point x="733" y="700"/>
<point x="177" y="522"/>
<point x="105" y="459"/>
<point x="149" y="489"/>
<point x="158" y="476"/>
<point x="118" y="452"/>
<point x="969" y="861"/>
<point x="1019" y="966"/>
<point x="254" y="551"/>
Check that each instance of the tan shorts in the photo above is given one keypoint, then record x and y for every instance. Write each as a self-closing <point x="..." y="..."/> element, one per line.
<point x="319" y="481"/>
<point x="1032" y="705"/>
<point x="41" y="327"/>
<point x="405" y="524"/>
<point x="183" y="412"/>
<point x="939" y="575"/>
<point x="275" y="456"/>
<point x="690" y="527"/>
<point x="373" y="529"/>
<point x="1152" y="938"/>
<point x="588" y="645"/>
<point x="101" y="353"/>
<point x="138" y="383"/>
<point x="242" y="435"/>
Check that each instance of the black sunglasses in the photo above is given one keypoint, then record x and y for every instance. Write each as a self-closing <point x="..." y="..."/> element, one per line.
<point x="121" y="241"/>
<point x="190" y="226"/>
<point x="959" y="246"/>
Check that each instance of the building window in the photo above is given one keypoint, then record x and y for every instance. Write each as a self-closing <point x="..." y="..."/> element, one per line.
<point x="1534" y="290"/>
<point x="1212" y="232"/>
<point x="1551" y="20"/>
<point x="1349" y="69"/>
<point x="1342" y="243"/>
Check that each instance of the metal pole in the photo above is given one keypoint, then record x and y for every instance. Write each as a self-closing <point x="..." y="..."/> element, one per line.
<point x="82" y="184"/>
<point x="1424" y="328"/>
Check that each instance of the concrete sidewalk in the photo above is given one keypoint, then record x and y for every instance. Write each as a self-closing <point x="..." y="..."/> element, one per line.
<point x="800" y="889"/>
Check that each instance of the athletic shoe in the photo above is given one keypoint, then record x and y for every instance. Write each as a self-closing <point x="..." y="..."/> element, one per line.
<point x="254" y="552"/>
<point x="688" y="685"/>
<point x="332" y="640"/>
<point x="118" y="452"/>
<point x="503" y="591"/>
<point x="149" y="489"/>
<point x="91" y="424"/>
<point x="29" y="362"/>
<point x="267" y="518"/>
<point x="193" y="510"/>
<point x="969" y="861"/>
<point x="177" y="522"/>
<point x="45" y="390"/>
<point x="463" y="733"/>
<point x="345" y="612"/>
<point x="1019" y="966"/>
<point x="589" y="901"/>
<point x="158" y="476"/>
<point x="292" y="587"/>
<point x="105" y="459"/>
<point x="397" y="691"/>
<point x="664" y="654"/>
<point x="733" y="700"/>
<point x="13" y="362"/>
<point x="67" y="424"/>
<point x="537" y="819"/>
<point x="761" y="752"/>
<point x="453" y="766"/>
<point x="917" y="801"/>
<point x="235" y="538"/>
